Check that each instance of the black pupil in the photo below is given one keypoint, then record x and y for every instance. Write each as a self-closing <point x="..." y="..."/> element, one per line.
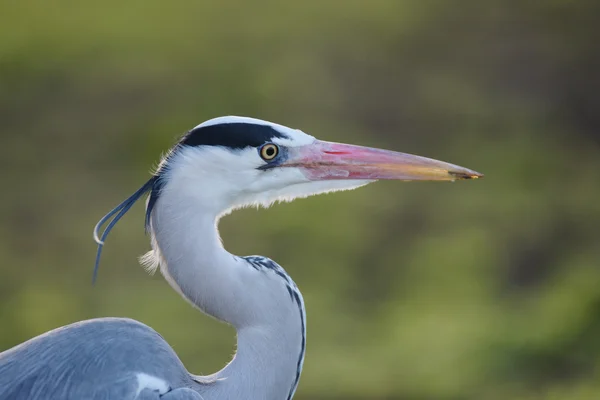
<point x="270" y="151"/>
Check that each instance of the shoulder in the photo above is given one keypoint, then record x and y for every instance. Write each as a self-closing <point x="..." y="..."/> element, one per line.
<point x="100" y="326"/>
<point x="84" y="334"/>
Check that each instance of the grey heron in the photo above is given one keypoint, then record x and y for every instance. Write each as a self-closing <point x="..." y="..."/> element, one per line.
<point x="220" y="165"/>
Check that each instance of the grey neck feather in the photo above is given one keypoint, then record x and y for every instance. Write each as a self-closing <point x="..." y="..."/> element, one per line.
<point x="255" y="301"/>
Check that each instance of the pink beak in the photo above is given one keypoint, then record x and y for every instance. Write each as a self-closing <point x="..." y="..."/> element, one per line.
<point x="327" y="161"/>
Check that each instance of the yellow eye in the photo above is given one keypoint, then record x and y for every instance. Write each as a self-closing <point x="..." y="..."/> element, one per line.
<point x="269" y="151"/>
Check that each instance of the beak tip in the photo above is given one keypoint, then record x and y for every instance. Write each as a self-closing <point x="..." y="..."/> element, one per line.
<point x="464" y="175"/>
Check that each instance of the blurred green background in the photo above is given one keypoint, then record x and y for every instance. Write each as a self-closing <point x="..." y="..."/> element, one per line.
<point x="474" y="290"/>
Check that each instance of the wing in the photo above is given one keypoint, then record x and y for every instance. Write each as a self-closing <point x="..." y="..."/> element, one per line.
<point x="108" y="358"/>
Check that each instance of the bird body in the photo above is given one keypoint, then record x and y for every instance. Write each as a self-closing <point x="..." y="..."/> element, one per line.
<point x="221" y="165"/>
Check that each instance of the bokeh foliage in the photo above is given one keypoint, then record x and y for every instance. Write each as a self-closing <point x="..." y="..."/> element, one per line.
<point x="475" y="290"/>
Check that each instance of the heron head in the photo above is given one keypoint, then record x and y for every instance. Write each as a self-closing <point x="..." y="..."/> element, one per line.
<point x="231" y="162"/>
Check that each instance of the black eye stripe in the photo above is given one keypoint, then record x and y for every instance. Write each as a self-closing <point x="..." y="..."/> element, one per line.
<point x="237" y="135"/>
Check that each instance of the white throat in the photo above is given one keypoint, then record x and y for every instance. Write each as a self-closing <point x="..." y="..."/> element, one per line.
<point x="261" y="302"/>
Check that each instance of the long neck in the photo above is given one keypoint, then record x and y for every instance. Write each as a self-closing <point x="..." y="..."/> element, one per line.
<point x="263" y="306"/>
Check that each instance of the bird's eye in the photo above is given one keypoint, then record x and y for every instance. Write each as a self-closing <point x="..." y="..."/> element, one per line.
<point x="269" y="151"/>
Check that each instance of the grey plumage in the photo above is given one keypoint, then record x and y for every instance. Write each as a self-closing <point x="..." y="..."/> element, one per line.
<point x="96" y="359"/>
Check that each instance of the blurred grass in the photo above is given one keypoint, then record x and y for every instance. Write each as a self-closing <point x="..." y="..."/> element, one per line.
<point x="477" y="290"/>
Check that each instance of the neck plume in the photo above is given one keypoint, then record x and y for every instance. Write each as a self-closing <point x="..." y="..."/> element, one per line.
<point x="253" y="294"/>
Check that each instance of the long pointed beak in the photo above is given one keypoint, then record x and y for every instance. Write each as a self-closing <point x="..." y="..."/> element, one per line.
<point x="328" y="161"/>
